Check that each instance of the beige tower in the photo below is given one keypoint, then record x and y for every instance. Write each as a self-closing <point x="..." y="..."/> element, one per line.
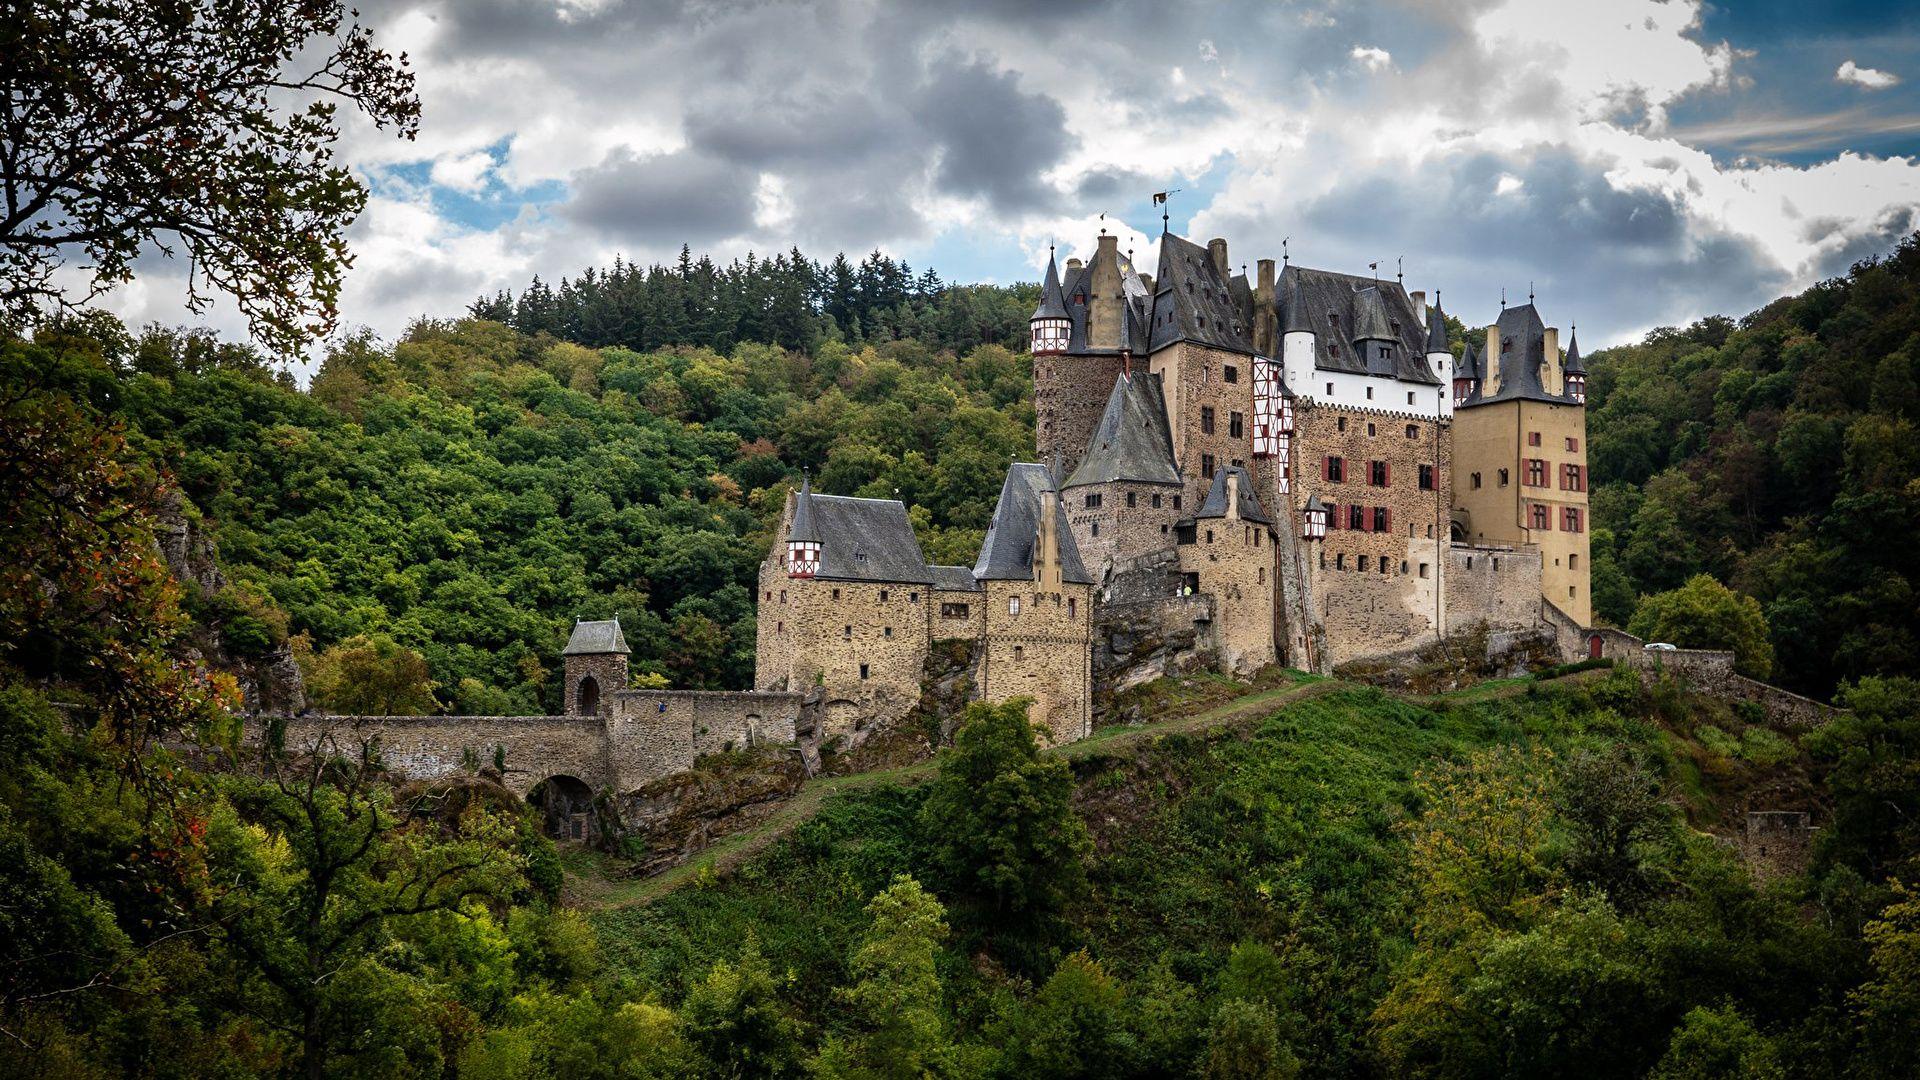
<point x="1520" y="456"/>
<point x="1039" y="618"/>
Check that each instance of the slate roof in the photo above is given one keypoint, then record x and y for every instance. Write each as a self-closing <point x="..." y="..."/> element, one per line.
<point x="1574" y="365"/>
<point x="1437" y="328"/>
<point x="1248" y="504"/>
<point x="1077" y="284"/>
<point x="866" y="540"/>
<point x="1525" y="338"/>
<point x="1007" y="552"/>
<point x="1338" y="308"/>
<point x="1053" y="304"/>
<point x="1469" y="367"/>
<point x="955" y="578"/>
<point x="1132" y="441"/>
<point x="1191" y="301"/>
<point x="593" y="638"/>
<point x="803" y="527"/>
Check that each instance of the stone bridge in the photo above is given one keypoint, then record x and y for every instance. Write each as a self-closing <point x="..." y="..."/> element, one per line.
<point x="638" y="736"/>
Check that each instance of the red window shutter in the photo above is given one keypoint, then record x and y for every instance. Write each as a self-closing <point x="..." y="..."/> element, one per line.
<point x="1387" y="479"/>
<point x="1389" y="517"/>
<point x="1326" y="467"/>
<point x="1365" y="524"/>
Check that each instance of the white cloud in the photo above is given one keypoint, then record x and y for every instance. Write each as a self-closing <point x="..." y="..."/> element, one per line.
<point x="1508" y="184"/>
<point x="1371" y="58"/>
<point x="463" y="172"/>
<point x="1870" y="78"/>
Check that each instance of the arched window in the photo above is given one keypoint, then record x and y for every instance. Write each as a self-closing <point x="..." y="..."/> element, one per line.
<point x="587" y="698"/>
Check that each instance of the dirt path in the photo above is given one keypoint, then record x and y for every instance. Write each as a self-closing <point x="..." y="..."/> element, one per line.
<point x="730" y="851"/>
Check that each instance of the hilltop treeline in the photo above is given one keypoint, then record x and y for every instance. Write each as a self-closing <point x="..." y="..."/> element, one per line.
<point x="787" y="300"/>
<point x="1779" y="453"/>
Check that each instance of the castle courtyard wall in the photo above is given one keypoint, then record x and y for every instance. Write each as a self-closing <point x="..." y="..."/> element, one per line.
<point x="1492" y="584"/>
<point x="1044" y="652"/>
<point x="1113" y="530"/>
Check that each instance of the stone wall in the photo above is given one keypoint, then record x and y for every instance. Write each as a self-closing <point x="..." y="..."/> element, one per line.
<point x="1069" y="394"/>
<point x="1114" y="530"/>
<point x="862" y="643"/>
<point x="1145" y="629"/>
<point x="609" y="674"/>
<point x="1711" y="671"/>
<point x="1194" y="377"/>
<point x="428" y="747"/>
<point x="654" y="733"/>
<point x="1233" y="562"/>
<point x="1496" y="585"/>
<point x="1775" y="843"/>
<point x="950" y="621"/>
<point x="1040" y="653"/>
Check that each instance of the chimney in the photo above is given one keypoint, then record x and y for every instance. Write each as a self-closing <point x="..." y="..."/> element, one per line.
<point x="1266" y="276"/>
<point x="1074" y="264"/>
<point x="1493" y="365"/>
<point x="1266" y="324"/>
<point x="1550" y="376"/>
<point x="1217" y="248"/>
<point x="1233" y="496"/>
<point x="1419" y="297"/>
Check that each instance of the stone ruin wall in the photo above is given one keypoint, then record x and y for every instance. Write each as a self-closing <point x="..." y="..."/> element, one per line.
<point x="430" y="747"/>
<point x="1498" y="586"/>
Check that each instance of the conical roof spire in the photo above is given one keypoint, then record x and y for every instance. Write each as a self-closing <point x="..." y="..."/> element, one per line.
<point x="1053" y="302"/>
<point x="1575" y="365"/>
<point x="1293" y="309"/>
<point x="1437" y="328"/>
<point x="804" y="528"/>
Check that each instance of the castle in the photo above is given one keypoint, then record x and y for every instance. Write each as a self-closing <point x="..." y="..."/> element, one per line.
<point x="1296" y="465"/>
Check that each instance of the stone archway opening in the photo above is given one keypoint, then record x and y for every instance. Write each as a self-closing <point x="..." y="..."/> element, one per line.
<point x="589" y="696"/>
<point x="566" y="807"/>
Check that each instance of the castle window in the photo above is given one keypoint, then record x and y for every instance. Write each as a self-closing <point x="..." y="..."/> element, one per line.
<point x="783" y="596"/>
<point x="779" y="626"/>
<point x="883" y="596"/>
<point x="847" y="632"/>
<point x="1370" y="428"/>
<point x="1096" y="528"/>
<point x="1019" y="653"/>
<point x="1570" y="596"/>
<point x="1426" y="478"/>
<point x="1503" y="478"/>
<point x="1073" y="607"/>
<point x="1236" y="425"/>
<point x="863" y="671"/>
<point x="1475" y="481"/>
<point x="836" y="594"/>
<point x="1341" y="423"/>
<point x="1536" y="472"/>
<point x="769" y="594"/>
<point x="1339" y="561"/>
<point x="1176" y="502"/>
<point x="1573" y="445"/>
<point x="1206" y="419"/>
<point x="1256" y="539"/>
<point x="1093" y="500"/>
<point x="1385" y="566"/>
<point x="1013" y="605"/>
<point x="1336" y="470"/>
<point x="1260" y="575"/>
<point x="1533" y="438"/>
<point x="1369" y="393"/>
<point x="1330" y="394"/>
<point x="1382" y="519"/>
<point x="1377" y="473"/>
<point x="1357" y="518"/>
<point x="1423" y="569"/>
<point x="1409" y="401"/>
<point x="1573" y="562"/>
<point x="1537" y="516"/>
<point x="1573" y="478"/>
<point x="953" y="611"/>
<point x="1155" y="501"/>
<point x="1363" y="564"/>
<point x="913" y="598"/>
<point x="886" y="631"/>
<point x="1229" y="373"/>
<point x="1413" y="430"/>
<point x="1130" y="499"/>
<point x="1206" y="465"/>
<point x="1570" y="519"/>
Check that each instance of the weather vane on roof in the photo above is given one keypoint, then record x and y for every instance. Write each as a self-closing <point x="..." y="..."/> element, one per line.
<point x="1160" y="200"/>
<point x="1400" y="269"/>
<point x="1285" y="258"/>
<point x="1529" y="292"/>
<point x="1103" y="223"/>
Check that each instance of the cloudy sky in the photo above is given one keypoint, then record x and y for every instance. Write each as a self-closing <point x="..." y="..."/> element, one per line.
<point x="1638" y="163"/>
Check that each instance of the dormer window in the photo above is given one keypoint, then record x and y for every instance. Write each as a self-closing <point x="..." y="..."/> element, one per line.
<point x="1506" y="343"/>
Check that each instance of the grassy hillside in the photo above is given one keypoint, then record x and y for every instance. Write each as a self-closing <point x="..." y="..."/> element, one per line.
<point x="1397" y="888"/>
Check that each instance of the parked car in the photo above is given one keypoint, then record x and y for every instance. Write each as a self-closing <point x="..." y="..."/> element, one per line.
<point x="1662" y="646"/>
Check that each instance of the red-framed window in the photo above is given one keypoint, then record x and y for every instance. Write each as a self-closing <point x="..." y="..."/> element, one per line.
<point x="1537" y="516"/>
<point x="1335" y="469"/>
<point x="1533" y="438"/>
<point x="1379" y="474"/>
<point x="1573" y="445"/>
<point x="1357" y="518"/>
<point x="1571" y="519"/>
<point x="1536" y="472"/>
<point x="1573" y="478"/>
<point x="1382" y="519"/>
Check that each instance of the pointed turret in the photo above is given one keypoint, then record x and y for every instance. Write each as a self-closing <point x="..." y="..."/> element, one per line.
<point x="803" y="535"/>
<point x="1293" y="309"/>
<point x="1050" y="324"/>
<point x="1576" y="368"/>
<point x="1437" y="329"/>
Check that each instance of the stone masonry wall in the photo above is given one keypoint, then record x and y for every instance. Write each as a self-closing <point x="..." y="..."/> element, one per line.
<point x="1145" y="629"/>
<point x="1041" y="653"/>
<point x="1194" y="377"/>
<point x="863" y="643"/>
<point x="949" y="622"/>
<point x="1069" y="394"/>
<point x="1368" y="594"/>
<point x="1499" y="586"/>
<point x="427" y="747"/>
<point x="1234" y="560"/>
<point x="607" y="670"/>
<point x="1114" y="530"/>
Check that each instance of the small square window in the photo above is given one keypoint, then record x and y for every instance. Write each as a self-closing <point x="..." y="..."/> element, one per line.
<point x="863" y="671"/>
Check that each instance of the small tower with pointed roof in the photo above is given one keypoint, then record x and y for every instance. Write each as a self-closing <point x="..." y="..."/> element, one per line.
<point x="1440" y="352"/>
<point x="803" y="539"/>
<point x="596" y="665"/>
<point x="1576" y="368"/>
<point x="1050" y="324"/>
